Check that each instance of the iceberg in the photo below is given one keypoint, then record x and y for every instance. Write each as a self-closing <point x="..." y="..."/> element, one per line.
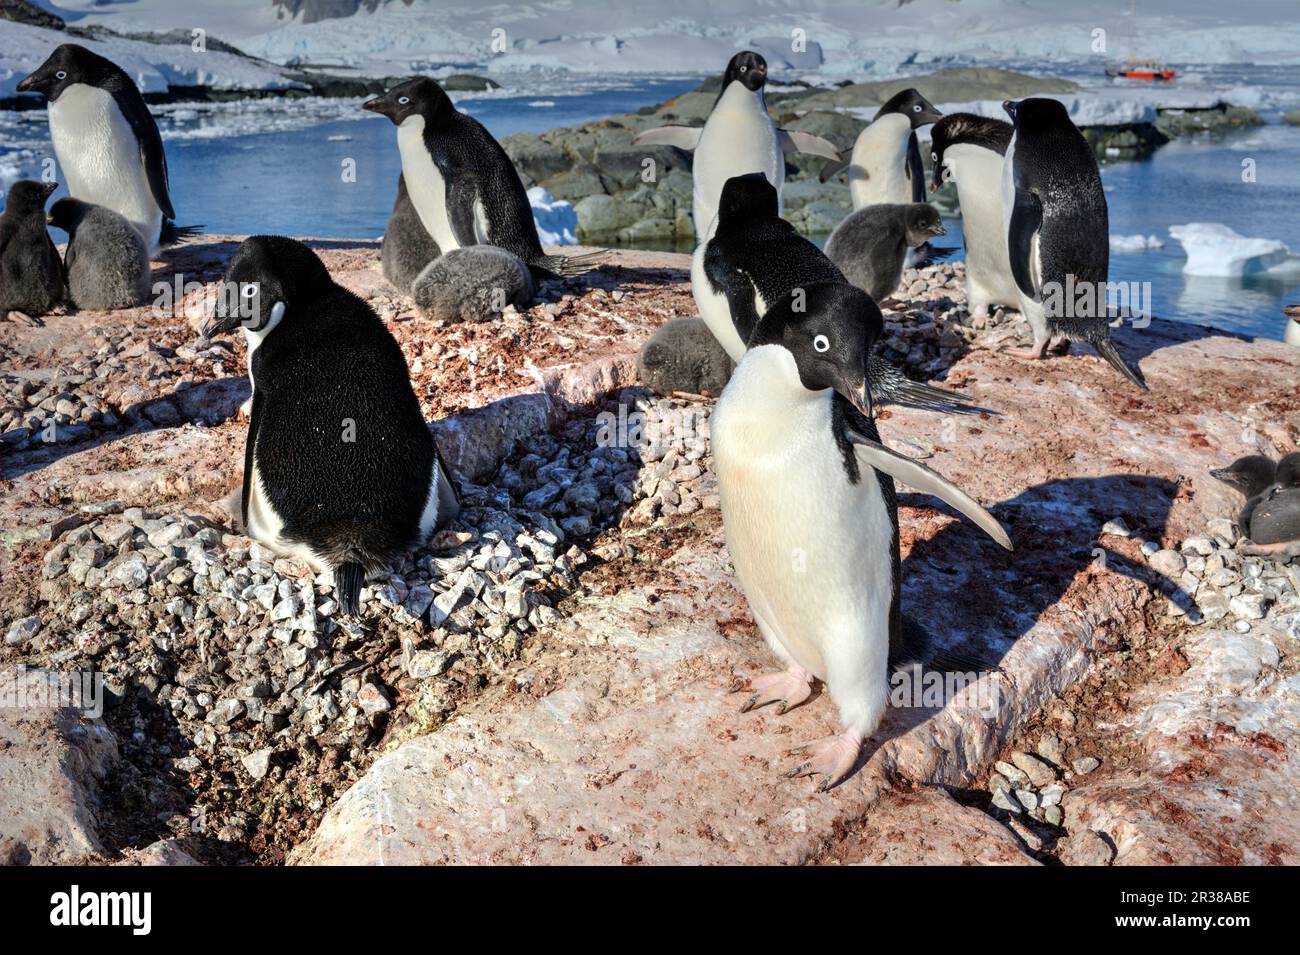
<point x="557" y="221"/>
<point x="1135" y="243"/>
<point x="1214" y="249"/>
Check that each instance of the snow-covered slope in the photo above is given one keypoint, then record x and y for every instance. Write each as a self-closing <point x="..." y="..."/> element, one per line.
<point x="619" y="36"/>
<point x="154" y="67"/>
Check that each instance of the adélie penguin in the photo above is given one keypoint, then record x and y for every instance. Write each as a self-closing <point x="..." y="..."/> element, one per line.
<point x="461" y="181"/>
<point x="31" y="272"/>
<point x="340" y="467"/>
<point x="757" y="258"/>
<point x="106" y="141"/>
<point x="967" y="150"/>
<point x="1058" y="235"/>
<point x="885" y="164"/>
<point x="738" y="137"/>
<point x="1271" y="515"/>
<point x="809" y="511"/>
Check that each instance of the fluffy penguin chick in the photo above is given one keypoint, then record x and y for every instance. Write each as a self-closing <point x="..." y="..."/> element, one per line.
<point x="31" y="274"/>
<point x="340" y="467"/>
<point x="1271" y="516"/>
<point x="809" y="512"/>
<point x="683" y="355"/>
<point x="106" y="262"/>
<point x="473" y="284"/>
<point x="407" y="246"/>
<point x="870" y="246"/>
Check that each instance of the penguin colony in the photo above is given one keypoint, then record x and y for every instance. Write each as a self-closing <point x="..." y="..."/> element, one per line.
<point x="342" y="471"/>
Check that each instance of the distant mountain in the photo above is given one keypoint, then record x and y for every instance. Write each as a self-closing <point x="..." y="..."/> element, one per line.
<point x="313" y="11"/>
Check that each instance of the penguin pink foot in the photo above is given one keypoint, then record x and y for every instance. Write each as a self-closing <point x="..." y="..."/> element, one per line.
<point x="788" y="689"/>
<point x="1034" y="353"/>
<point x="1284" y="550"/>
<point x="832" y="757"/>
<point x="22" y="318"/>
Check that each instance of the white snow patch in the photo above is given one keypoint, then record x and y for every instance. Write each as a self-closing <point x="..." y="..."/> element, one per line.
<point x="557" y="222"/>
<point x="1214" y="249"/>
<point x="1086" y="109"/>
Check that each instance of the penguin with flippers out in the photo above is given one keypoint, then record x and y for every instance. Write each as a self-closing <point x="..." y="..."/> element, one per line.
<point x="462" y="183"/>
<point x="738" y="137"/>
<point x="1058" y="234"/>
<point x="106" y="141"/>
<point x="340" y="467"/>
<point x="31" y="272"/>
<point x="806" y="483"/>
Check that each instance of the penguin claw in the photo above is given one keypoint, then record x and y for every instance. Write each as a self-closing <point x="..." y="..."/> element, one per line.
<point x="787" y="689"/>
<point x="833" y="758"/>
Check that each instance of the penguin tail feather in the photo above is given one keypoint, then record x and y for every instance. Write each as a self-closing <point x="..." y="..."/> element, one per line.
<point x="1096" y="332"/>
<point x="890" y="386"/>
<point x="931" y="254"/>
<point x="348" y="578"/>
<point x="567" y="266"/>
<point x="171" y="233"/>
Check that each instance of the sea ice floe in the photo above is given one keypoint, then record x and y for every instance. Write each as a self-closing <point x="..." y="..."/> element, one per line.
<point x="1214" y="249"/>
<point x="1135" y="243"/>
<point x="557" y="221"/>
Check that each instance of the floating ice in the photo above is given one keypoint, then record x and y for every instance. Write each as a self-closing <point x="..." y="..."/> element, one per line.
<point x="1135" y="243"/>
<point x="557" y="222"/>
<point x="1214" y="249"/>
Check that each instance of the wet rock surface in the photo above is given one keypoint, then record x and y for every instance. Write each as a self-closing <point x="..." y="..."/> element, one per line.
<point x="550" y="679"/>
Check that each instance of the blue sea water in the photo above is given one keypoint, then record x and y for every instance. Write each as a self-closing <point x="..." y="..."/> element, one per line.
<point x="329" y="169"/>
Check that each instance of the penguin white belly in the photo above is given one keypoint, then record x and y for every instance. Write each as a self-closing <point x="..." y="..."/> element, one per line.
<point x="266" y="526"/>
<point x="739" y="137"/>
<point x="429" y="517"/>
<point x="714" y="308"/>
<point x="878" y="166"/>
<point x="424" y="183"/>
<point x="101" y="159"/>
<point x="811" y="551"/>
<point x="978" y="174"/>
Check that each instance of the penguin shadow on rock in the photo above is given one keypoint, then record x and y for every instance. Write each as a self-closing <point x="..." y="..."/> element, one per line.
<point x="460" y="199"/>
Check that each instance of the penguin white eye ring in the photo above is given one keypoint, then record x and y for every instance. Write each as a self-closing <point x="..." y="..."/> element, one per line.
<point x="403" y="100"/>
<point x="249" y="290"/>
<point x="916" y="109"/>
<point x="822" y="343"/>
<point x="934" y="157"/>
<point x="61" y="75"/>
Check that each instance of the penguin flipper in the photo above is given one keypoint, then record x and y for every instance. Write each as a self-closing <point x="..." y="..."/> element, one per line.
<point x="738" y="288"/>
<point x="797" y="141"/>
<point x="461" y="196"/>
<point x="916" y="475"/>
<point x="683" y="137"/>
<point x="915" y="169"/>
<point x="152" y="156"/>
<point x="833" y="168"/>
<point x="448" y="496"/>
<point x="1026" y="220"/>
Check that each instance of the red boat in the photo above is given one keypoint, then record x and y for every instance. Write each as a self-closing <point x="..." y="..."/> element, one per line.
<point x="1142" y="71"/>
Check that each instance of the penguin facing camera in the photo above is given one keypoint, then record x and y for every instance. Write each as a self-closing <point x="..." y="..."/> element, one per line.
<point x="1058" y="236"/>
<point x="684" y="356"/>
<point x="871" y="245"/>
<point x="805" y="385"/>
<point x="107" y="142"/>
<point x="31" y="272"/>
<point x="1292" y="334"/>
<point x="1271" y="515"/>
<point x="461" y="182"/>
<point x="968" y="150"/>
<point x="885" y="163"/>
<point x="340" y="468"/>
<point x="738" y="137"/>
<point x="472" y="284"/>
<point x="106" y="262"/>
<point x="407" y="247"/>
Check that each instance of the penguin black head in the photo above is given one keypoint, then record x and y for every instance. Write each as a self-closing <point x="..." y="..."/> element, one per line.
<point x="1250" y="475"/>
<point x="922" y="222"/>
<point x="1037" y="112"/>
<point x="746" y="198"/>
<point x="266" y="275"/>
<point x="27" y="197"/>
<point x="418" y="96"/>
<point x="67" y="213"/>
<point x="829" y="328"/>
<point x="68" y="64"/>
<point x="957" y="128"/>
<point x="1288" y="471"/>
<point x="747" y="67"/>
<point x="913" y="105"/>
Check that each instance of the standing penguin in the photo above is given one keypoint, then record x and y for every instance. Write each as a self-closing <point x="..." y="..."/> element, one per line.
<point x="106" y="140"/>
<point x="805" y="481"/>
<point x="738" y="137"/>
<point x="1058" y="235"/>
<point x="885" y="165"/>
<point x="968" y="150"/>
<point x="106" y="262"/>
<point x="340" y="467"/>
<point x="461" y="181"/>
<point x="870" y="246"/>
<point x="407" y="246"/>
<point x="757" y="258"/>
<point x="31" y="273"/>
